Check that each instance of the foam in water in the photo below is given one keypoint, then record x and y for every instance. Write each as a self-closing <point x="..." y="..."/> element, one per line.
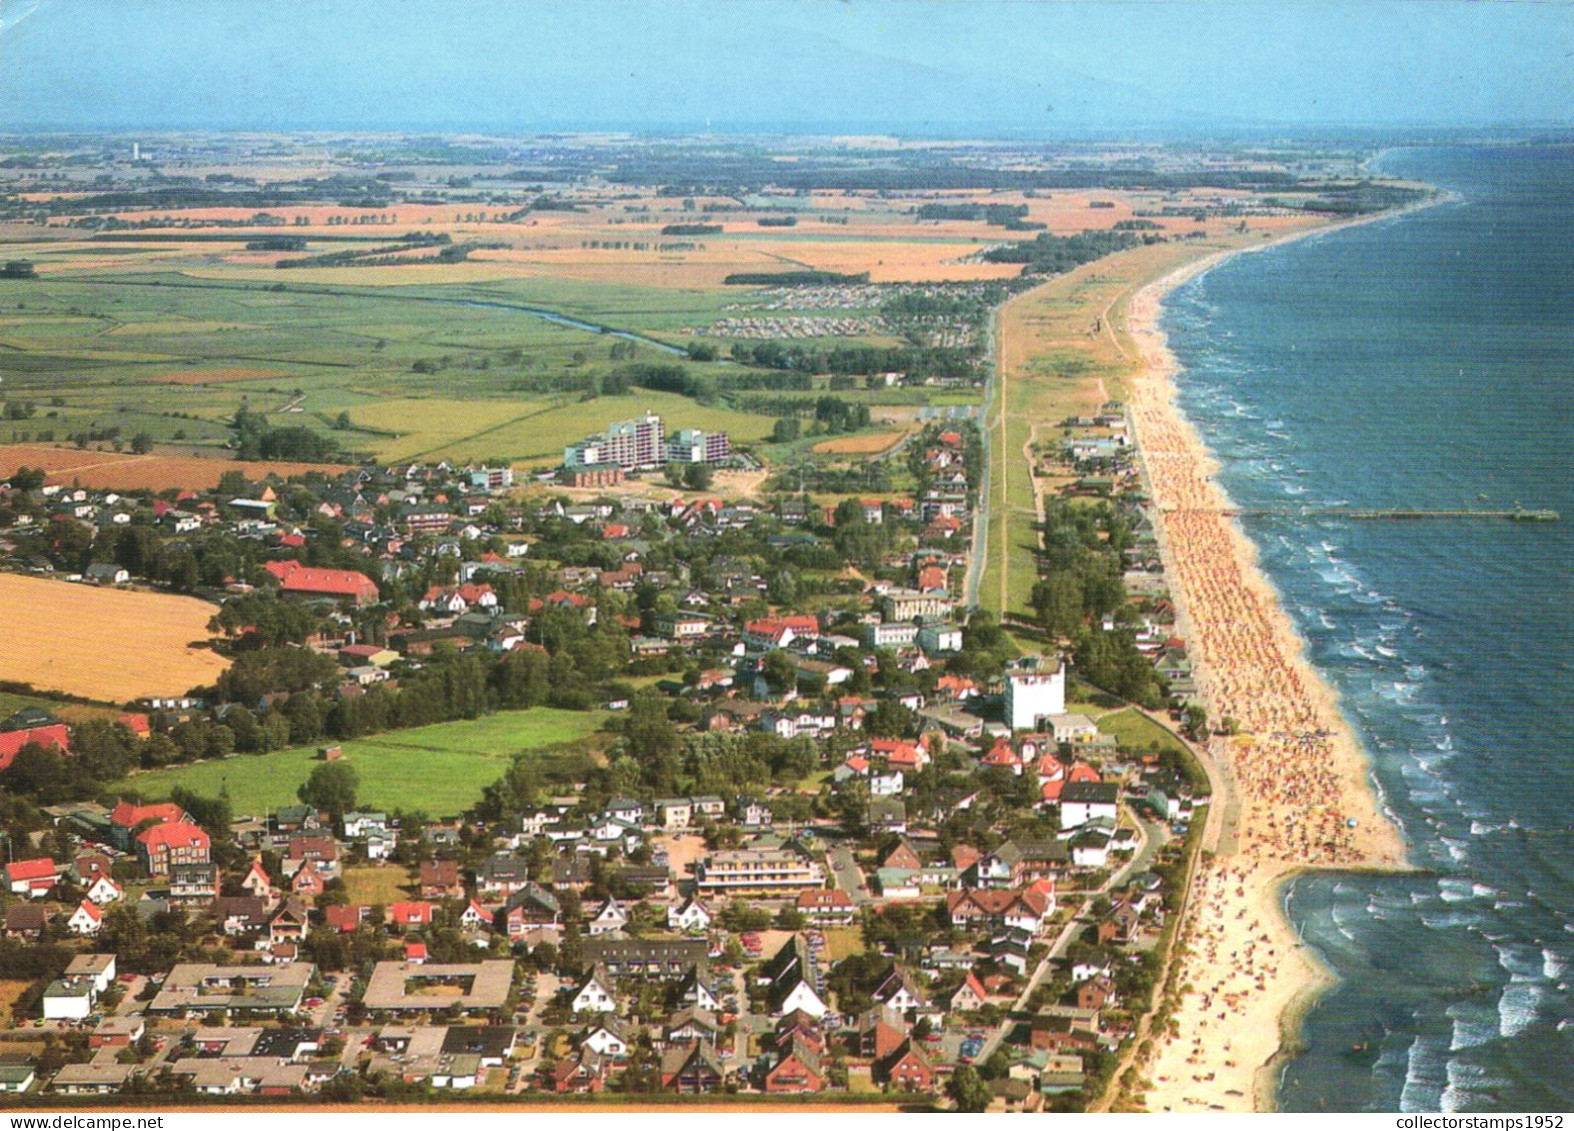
<point x="1553" y="965"/>
<point x="1517" y="1006"/>
<point x="1474" y="1025"/>
<point x="1425" y="1075"/>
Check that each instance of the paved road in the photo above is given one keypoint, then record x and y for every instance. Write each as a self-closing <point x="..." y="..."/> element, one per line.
<point x="845" y="873"/>
<point x="1152" y="837"/>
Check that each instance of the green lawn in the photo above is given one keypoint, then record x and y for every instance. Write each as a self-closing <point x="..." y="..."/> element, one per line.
<point x="11" y="703"/>
<point x="1136" y="731"/>
<point x="439" y="769"/>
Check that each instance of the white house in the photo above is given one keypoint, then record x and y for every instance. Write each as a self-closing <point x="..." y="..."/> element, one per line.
<point x="887" y="784"/>
<point x="802" y="996"/>
<point x="692" y="916"/>
<point x="98" y="970"/>
<point x="1032" y="693"/>
<point x="68" y="1001"/>
<point x="1090" y="849"/>
<point x="87" y="919"/>
<point x="105" y="891"/>
<point x="1084" y="801"/>
<point x="595" y="996"/>
<point x="611" y="917"/>
<point x="607" y="1039"/>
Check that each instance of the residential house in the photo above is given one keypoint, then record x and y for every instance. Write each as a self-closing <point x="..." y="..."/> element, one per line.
<point x="440" y="879"/>
<point x="34" y="878"/>
<point x="793" y="980"/>
<point x="797" y="1070"/>
<point x="906" y="1069"/>
<point x="692" y="1069"/>
<point x="596" y="994"/>
<point x="87" y="919"/>
<point x="692" y="916"/>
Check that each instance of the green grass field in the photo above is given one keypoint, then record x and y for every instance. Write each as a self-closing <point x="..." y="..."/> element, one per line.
<point x="439" y="769"/>
<point x="168" y="339"/>
<point x="1136" y="731"/>
<point x="10" y="703"/>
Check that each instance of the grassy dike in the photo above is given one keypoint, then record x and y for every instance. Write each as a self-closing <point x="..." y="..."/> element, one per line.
<point x="1062" y="350"/>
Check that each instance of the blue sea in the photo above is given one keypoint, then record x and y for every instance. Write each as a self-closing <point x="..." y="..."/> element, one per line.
<point x="1423" y="361"/>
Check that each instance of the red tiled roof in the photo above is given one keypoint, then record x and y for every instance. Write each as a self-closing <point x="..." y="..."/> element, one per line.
<point x="175" y="834"/>
<point x="12" y="741"/>
<point x="824" y="899"/>
<point x="332" y="582"/>
<point x="137" y="724"/>
<point x="41" y="868"/>
<point x="343" y="918"/>
<point x="128" y="815"/>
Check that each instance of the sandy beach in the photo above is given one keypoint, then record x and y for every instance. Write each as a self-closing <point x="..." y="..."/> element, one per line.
<point x="1299" y="774"/>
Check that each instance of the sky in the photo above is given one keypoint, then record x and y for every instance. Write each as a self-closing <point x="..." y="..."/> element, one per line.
<point x="918" y="67"/>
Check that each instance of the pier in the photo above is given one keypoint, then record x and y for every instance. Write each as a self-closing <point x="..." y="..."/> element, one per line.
<point x="1517" y="514"/>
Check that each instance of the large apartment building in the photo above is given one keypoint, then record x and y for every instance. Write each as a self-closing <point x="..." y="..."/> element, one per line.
<point x="691" y="445"/>
<point x="642" y="444"/>
<point x="764" y="870"/>
<point x="629" y="444"/>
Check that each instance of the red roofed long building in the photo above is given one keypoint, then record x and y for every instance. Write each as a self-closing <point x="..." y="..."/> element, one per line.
<point x="12" y="741"/>
<point x="339" y="584"/>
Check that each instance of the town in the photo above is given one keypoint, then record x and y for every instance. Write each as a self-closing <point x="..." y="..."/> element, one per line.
<point x="834" y="834"/>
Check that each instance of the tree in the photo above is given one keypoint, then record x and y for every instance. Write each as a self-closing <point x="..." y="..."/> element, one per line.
<point x="142" y="443"/>
<point x="332" y="787"/>
<point x="697" y="476"/>
<point x="27" y="478"/>
<point x="968" y="1091"/>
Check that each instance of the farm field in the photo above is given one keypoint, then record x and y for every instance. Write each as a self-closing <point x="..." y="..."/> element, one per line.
<point x="439" y="769"/>
<point x="868" y="444"/>
<point x="154" y="472"/>
<point x="115" y="646"/>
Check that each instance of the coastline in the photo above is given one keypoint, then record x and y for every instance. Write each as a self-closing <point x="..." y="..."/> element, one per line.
<point x="1299" y="779"/>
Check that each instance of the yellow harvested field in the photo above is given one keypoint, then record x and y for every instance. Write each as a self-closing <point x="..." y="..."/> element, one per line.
<point x="219" y="376"/>
<point x="111" y="645"/>
<point x="181" y="326"/>
<point x="859" y="445"/>
<point x="126" y="472"/>
<point x="367" y="276"/>
<point x="425" y="424"/>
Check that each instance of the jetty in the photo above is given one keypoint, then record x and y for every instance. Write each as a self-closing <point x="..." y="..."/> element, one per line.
<point x="1516" y="514"/>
